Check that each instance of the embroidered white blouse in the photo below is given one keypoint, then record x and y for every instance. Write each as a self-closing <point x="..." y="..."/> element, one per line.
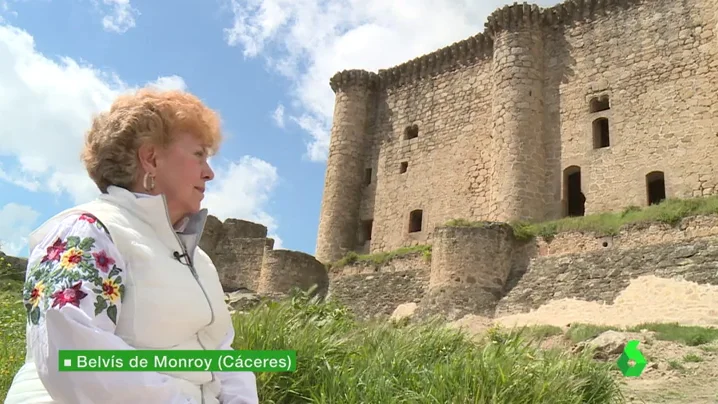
<point x="82" y="315"/>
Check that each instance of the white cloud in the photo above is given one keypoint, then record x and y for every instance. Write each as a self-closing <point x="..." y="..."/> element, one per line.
<point x="310" y="40"/>
<point x="169" y="83"/>
<point x="16" y="222"/>
<point x="48" y="105"/>
<point x="278" y="116"/>
<point x="242" y="190"/>
<point x="120" y="16"/>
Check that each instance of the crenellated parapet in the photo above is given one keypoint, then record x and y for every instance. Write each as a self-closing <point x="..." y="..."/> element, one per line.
<point x="353" y="78"/>
<point x="512" y="17"/>
<point x="456" y="55"/>
<point x="566" y="13"/>
<point x="480" y="46"/>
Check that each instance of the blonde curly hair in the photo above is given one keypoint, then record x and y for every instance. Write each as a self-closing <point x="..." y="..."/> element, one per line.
<point x="148" y="115"/>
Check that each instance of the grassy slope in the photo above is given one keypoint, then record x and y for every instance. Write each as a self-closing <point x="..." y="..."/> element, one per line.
<point x="341" y="360"/>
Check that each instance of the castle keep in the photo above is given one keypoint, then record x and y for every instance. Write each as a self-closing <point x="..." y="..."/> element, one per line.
<point x="587" y="106"/>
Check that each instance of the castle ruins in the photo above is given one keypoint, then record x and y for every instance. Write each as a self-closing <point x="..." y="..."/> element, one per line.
<point x="584" y="107"/>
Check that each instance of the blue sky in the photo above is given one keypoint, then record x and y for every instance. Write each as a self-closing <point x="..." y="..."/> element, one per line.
<point x="263" y="64"/>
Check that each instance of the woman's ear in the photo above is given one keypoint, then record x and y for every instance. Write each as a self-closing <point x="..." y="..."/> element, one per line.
<point x="147" y="154"/>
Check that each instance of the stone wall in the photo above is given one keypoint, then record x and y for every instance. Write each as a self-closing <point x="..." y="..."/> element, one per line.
<point x="371" y="290"/>
<point x="237" y="249"/>
<point x="498" y="121"/>
<point x="443" y="172"/>
<point x="596" y="268"/>
<point x="284" y="270"/>
<point x="246" y="259"/>
<point x="655" y="61"/>
<point x="469" y="268"/>
<point x="486" y="271"/>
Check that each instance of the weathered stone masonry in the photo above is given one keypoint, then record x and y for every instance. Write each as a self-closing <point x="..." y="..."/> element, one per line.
<point x="246" y="259"/>
<point x="583" y="107"/>
<point x="486" y="271"/>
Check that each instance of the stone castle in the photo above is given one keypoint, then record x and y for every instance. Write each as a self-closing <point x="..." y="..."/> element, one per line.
<point x="584" y="107"/>
<point x="588" y="106"/>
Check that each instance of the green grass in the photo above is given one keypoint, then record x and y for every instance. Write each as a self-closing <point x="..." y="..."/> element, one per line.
<point x="684" y="334"/>
<point x="670" y="211"/>
<point x="382" y="257"/>
<point x="344" y="360"/>
<point x="12" y="332"/>
<point x="582" y="332"/>
<point x="692" y="358"/>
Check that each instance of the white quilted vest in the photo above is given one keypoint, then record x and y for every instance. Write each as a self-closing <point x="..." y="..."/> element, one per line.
<point x="167" y="304"/>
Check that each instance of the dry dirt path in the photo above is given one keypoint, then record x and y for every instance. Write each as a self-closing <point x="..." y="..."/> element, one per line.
<point x="677" y="373"/>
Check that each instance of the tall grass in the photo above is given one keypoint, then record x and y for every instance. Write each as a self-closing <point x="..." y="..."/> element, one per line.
<point x="341" y="360"/>
<point x="12" y="332"/>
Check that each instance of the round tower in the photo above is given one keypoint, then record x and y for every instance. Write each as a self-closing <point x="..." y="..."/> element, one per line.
<point x="469" y="268"/>
<point x="518" y="170"/>
<point x="343" y="182"/>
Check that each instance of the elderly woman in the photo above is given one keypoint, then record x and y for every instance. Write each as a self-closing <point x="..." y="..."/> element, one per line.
<point x="125" y="271"/>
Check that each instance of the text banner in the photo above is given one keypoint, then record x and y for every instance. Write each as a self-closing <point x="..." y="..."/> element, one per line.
<point x="177" y="361"/>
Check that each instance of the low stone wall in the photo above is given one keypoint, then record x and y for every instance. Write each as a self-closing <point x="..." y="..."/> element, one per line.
<point x="630" y="237"/>
<point x="580" y="266"/>
<point x="484" y="270"/>
<point x="246" y="260"/>
<point x="283" y="270"/>
<point x="371" y="290"/>
<point x="237" y="249"/>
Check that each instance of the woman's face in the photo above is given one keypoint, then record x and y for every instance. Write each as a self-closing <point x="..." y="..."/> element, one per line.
<point x="182" y="171"/>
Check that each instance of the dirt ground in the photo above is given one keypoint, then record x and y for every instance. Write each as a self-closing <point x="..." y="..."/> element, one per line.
<point x="676" y="373"/>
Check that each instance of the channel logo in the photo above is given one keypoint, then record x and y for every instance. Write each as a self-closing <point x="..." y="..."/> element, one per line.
<point x="631" y="353"/>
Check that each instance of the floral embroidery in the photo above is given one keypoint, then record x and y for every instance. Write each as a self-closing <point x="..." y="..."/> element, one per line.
<point x="102" y="261"/>
<point x="88" y="218"/>
<point x="93" y="220"/>
<point x="36" y="294"/>
<point x="111" y="290"/>
<point x="71" y="258"/>
<point x="71" y="295"/>
<point x="54" y="251"/>
<point x="71" y="270"/>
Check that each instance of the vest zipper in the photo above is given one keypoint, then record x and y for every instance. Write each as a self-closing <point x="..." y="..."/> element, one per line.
<point x="196" y="278"/>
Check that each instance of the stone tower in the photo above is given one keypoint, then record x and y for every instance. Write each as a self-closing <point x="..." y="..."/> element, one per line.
<point x="354" y="104"/>
<point x="517" y="173"/>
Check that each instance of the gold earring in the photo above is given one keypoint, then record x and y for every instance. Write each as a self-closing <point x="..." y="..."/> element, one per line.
<point x="151" y="179"/>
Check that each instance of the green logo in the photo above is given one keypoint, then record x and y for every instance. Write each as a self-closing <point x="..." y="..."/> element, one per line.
<point x="631" y="353"/>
